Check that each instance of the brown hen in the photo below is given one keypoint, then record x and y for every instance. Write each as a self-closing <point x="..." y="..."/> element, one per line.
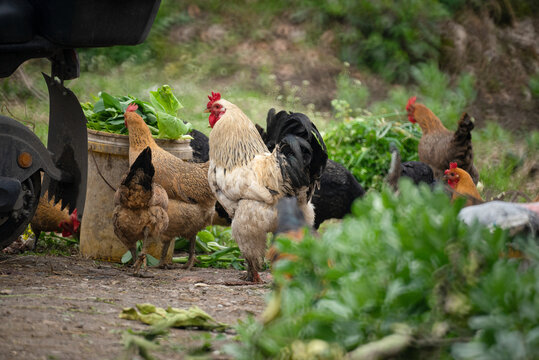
<point x="140" y="210"/>
<point x="191" y="203"/>
<point x="438" y="146"/>
<point x="462" y="185"/>
<point x="50" y="217"/>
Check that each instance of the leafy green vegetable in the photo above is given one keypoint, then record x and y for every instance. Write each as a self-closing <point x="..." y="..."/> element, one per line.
<point x="166" y="107"/>
<point x="107" y="113"/>
<point x="361" y="143"/>
<point x="402" y="262"/>
<point x="218" y="243"/>
<point x="172" y="317"/>
<point x="164" y="100"/>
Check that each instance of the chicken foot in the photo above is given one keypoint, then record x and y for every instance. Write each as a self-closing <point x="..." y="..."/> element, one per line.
<point x="162" y="262"/>
<point x="252" y="273"/>
<point x="141" y="262"/>
<point x="133" y="252"/>
<point x="192" y="258"/>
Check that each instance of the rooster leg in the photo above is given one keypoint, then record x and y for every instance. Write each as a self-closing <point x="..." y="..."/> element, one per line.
<point x="250" y="225"/>
<point x="192" y="258"/>
<point x="162" y="261"/>
<point x="141" y="262"/>
<point x="133" y="252"/>
<point x="252" y="273"/>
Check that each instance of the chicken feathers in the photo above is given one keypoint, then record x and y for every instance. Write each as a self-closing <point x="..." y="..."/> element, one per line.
<point x="248" y="180"/>
<point x="140" y="210"/>
<point x="438" y="146"/>
<point x="191" y="201"/>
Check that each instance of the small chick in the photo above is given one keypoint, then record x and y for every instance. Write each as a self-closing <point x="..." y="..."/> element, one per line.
<point x="462" y="185"/>
<point x="140" y="209"/>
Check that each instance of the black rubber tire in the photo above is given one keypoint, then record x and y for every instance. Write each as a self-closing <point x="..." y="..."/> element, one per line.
<point x="13" y="228"/>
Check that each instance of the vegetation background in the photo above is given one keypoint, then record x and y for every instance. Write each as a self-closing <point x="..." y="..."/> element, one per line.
<point x="455" y="55"/>
<point x="351" y="66"/>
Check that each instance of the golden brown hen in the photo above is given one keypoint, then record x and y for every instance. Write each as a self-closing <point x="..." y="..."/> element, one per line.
<point x="438" y="146"/>
<point x="140" y="210"/>
<point x="50" y="217"/>
<point x="191" y="203"/>
<point x="462" y="185"/>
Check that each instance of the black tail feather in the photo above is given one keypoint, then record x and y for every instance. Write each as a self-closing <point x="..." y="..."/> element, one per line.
<point x="462" y="146"/>
<point x="144" y="163"/>
<point x="303" y="151"/>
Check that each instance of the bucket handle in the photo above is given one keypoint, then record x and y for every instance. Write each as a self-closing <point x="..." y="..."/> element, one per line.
<point x="100" y="174"/>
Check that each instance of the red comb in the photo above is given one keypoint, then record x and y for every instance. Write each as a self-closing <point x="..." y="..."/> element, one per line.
<point x="213" y="98"/>
<point x="452" y="166"/>
<point x="131" y="107"/>
<point x="411" y="102"/>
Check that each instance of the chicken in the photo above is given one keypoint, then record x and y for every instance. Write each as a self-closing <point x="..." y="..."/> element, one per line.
<point x="462" y="185"/>
<point x="200" y="146"/>
<point x="140" y="209"/>
<point x="333" y="199"/>
<point x="417" y="171"/>
<point x="50" y="217"/>
<point x="248" y="180"/>
<point x="439" y="146"/>
<point x="191" y="202"/>
<point x="338" y="188"/>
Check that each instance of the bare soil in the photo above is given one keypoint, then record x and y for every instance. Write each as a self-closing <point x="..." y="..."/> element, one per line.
<point x="55" y="307"/>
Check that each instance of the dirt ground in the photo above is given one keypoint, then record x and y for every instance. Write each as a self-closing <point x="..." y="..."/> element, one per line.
<point x="54" y="307"/>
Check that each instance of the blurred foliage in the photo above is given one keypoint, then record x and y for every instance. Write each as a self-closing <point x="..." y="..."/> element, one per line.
<point x="447" y="99"/>
<point x="361" y="143"/>
<point x="401" y="262"/>
<point x="388" y="36"/>
<point x="509" y="167"/>
<point x="534" y="85"/>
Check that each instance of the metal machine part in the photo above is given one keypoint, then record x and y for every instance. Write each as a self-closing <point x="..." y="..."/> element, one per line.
<point x="14" y="222"/>
<point x="67" y="132"/>
<point x="52" y="29"/>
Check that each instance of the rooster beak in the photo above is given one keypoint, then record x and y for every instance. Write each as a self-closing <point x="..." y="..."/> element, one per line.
<point x="206" y="110"/>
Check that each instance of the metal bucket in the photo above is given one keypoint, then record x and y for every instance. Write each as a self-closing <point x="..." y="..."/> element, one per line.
<point x="108" y="154"/>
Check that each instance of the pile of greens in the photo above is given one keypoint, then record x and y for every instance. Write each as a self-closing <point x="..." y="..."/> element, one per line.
<point x="160" y="114"/>
<point x="401" y="277"/>
<point x="220" y="250"/>
<point x="361" y="143"/>
<point x="215" y="242"/>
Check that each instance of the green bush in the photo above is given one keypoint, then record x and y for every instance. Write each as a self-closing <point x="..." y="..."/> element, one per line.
<point x="361" y="143"/>
<point x="401" y="264"/>
<point x="386" y="36"/>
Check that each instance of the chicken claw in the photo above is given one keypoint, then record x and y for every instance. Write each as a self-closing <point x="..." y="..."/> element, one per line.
<point x="192" y="258"/>
<point x="190" y="263"/>
<point x="141" y="262"/>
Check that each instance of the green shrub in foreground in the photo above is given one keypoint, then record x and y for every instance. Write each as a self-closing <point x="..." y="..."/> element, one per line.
<point x="401" y="262"/>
